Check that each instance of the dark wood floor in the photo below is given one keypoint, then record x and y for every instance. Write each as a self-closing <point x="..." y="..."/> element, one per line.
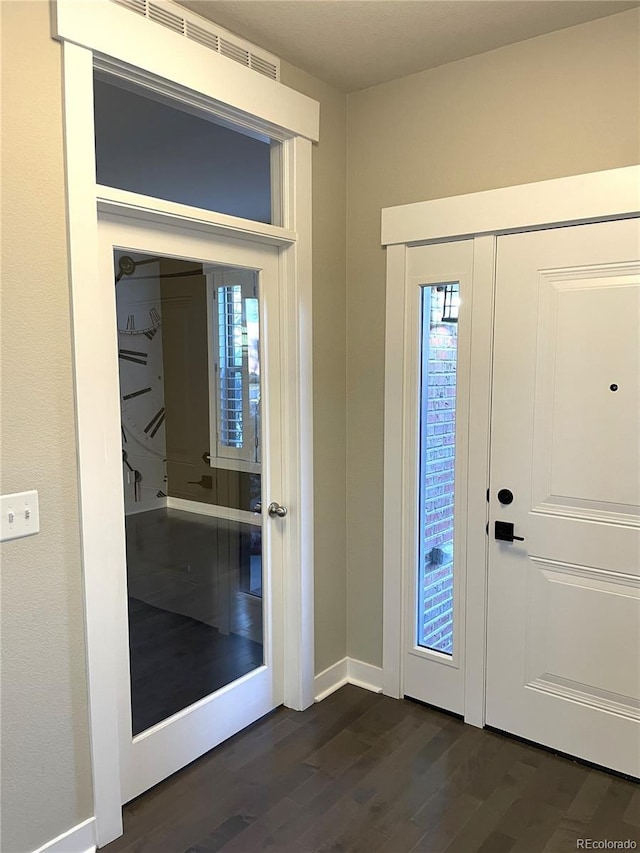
<point x="195" y="609"/>
<point x="360" y="772"/>
<point x="175" y="661"/>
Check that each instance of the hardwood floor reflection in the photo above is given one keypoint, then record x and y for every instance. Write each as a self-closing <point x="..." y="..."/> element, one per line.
<point x="195" y="609"/>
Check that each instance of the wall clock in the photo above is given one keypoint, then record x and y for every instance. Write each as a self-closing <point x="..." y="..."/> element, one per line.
<point x="139" y="319"/>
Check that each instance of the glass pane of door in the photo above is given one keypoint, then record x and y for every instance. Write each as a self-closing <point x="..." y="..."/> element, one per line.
<point x="190" y="397"/>
<point x="438" y="355"/>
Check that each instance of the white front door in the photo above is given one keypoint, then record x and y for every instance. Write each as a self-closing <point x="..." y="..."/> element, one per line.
<point x="564" y="609"/>
<point x="194" y="374"/>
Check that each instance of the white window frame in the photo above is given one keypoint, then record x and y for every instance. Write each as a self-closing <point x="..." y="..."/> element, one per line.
<point x="102" y="35"/>
<point x="482" y="217"/>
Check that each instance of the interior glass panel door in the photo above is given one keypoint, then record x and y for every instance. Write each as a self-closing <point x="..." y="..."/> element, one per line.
<point x="197" y="377"/>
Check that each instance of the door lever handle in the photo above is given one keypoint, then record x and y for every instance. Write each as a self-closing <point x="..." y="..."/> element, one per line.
<point x="504" y="532"/>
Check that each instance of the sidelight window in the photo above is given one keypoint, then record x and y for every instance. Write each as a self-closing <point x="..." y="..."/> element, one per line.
<point x="439" y="351"/>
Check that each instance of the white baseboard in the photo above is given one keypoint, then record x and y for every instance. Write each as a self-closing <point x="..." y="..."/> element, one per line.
<point x="331" y="679"/>
<point x="146" y="506"/>
<point x="225" y="512"/>
<point x="365" y="675"/>
<point x="78" y="839"/>
<point x="347" y="671"/>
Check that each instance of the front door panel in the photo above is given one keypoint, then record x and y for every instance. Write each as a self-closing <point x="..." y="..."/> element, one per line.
<point x="564" y="603"/>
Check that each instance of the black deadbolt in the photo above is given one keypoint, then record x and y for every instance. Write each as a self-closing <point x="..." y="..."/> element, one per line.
<point x="505" y="496"/>
<point x="504" y="532"/>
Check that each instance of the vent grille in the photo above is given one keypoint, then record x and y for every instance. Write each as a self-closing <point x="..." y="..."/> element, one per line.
<point x="217" y="40"/>
<point x="262" y="66"/>
<point x="139" y="6"/>
<point x="234" y="51"/>
<point x="202" y="36"/>
<point x="166" y="18"/>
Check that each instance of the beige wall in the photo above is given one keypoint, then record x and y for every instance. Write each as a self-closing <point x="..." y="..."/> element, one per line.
<point x="329" y="364"/>
<point x="46" y="779"/>
<point x="561" y="104"/>
<point x="556" y="105"/>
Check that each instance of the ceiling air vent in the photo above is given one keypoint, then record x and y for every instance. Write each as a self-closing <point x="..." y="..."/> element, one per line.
<point x="234" y="51"/>
<point x="166" y="18"/>
<point x="263" y="66"/>
<point x="198" y="29"/>
<point x="139" y="6"/>
<point x="202" y="36"/>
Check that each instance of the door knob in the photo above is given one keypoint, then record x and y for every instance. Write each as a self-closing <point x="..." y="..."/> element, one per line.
<point x="277" y="511"/>
<point x="504" y="532"/>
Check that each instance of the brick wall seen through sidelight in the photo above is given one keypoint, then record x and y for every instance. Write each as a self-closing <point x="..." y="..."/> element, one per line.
<point x="438" y="401"/>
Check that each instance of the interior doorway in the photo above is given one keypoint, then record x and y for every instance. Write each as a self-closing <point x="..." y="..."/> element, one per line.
<point x="141" y="57"/>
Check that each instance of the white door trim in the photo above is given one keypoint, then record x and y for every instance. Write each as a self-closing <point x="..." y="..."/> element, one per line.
<point x="293" y="114"/>
<point x="598" y="196"/>
<point x="125" y="203"/>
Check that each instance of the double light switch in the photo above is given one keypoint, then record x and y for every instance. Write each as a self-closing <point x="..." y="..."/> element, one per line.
<point x="20" y="515"/>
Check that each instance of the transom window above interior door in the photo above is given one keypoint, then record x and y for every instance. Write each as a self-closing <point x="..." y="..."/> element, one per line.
<point x="160" y="148"/>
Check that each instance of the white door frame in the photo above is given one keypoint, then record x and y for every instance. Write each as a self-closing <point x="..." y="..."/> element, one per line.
<point x="105" y="35"/>
<point x="483" y="216"/>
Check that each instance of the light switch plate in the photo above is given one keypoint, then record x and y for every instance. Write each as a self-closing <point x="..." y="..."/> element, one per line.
<point x="20" y="515"/>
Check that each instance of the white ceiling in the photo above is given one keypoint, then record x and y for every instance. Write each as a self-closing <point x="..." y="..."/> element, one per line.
<point x="354" y="44"/>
